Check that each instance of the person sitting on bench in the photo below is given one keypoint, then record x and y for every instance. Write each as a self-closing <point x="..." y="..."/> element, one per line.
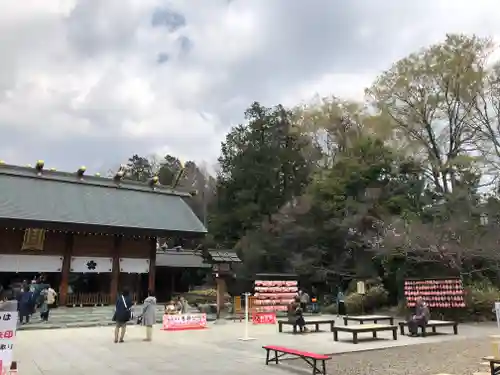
<point x="421" y="317"/>
<point x="295" y="314"/>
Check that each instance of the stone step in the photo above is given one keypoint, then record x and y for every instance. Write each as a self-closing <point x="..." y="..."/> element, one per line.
<point x="82" y="321"/>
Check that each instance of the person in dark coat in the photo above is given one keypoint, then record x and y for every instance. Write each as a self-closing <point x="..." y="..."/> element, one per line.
<point x="295" y="315"/>
<point x="25" y="305"/>
<point x="340" y="304"/>
<point x="123" y="313"/>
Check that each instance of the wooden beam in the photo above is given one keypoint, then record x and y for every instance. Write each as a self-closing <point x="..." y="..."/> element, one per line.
<point x="66" y="268"/>
<point x="115" y="271"/>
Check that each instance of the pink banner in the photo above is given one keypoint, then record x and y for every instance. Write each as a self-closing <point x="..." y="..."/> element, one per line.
<point x="264" y="318"/>
<point x="180" y="322"/>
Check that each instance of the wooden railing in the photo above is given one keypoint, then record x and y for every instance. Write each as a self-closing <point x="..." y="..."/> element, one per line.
<point x="93" y="299"/>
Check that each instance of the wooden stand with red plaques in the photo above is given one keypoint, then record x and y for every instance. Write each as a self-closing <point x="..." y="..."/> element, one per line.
<point x="437" y="293"/>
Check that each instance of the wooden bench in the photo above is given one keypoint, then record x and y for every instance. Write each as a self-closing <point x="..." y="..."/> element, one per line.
<point x="494" y="365"/>
<point x="316" y="323"/>
<point x="433" y="324"/>
<point x="369" y="318"/>
<point x="310" y="358"/>
<point x="362" y="328"/>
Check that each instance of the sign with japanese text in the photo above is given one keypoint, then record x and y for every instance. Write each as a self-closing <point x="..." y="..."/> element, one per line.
<point x="264" y="318"/>
<point x="33" y="239"/>
<point x="179" y="322"/>
<point x="8" y="325"/>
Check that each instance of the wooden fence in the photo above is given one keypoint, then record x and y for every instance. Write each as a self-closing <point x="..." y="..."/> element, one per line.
<point x="93" y="299"/>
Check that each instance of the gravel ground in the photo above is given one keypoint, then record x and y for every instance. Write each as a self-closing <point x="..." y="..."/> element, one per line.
<point x="456" y="357"/>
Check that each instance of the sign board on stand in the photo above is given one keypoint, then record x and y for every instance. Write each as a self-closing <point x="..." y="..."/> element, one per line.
<point x="8" y="326"/>
<point x="180" y="322"/>
<point x="360" y="287"/>
<point x="264" y="318"/>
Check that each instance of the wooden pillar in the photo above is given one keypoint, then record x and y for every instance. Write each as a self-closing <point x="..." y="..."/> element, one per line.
<point x="152" y="265"/>
<point x="221" y="291"/>
<point x="66" y="269"/>
<point x="115" y="271"/>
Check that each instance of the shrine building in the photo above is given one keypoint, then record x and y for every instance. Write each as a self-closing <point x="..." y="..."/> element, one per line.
<point x="89" y="236"/>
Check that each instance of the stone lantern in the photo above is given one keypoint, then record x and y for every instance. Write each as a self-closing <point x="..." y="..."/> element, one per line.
<point x="222" y="268"/>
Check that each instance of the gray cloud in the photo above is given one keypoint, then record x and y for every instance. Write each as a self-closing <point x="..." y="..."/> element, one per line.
<point x="167" y="18"/>
<point x="97" y="81"/>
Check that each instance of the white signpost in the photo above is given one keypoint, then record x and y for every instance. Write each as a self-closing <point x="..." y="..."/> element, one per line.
<point x="8" y="325"/>
<point x="245" y="335"/>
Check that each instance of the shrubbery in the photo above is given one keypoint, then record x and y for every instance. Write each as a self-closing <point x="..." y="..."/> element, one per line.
<point x="375" y="298"/>
<point x="480" y="300"/>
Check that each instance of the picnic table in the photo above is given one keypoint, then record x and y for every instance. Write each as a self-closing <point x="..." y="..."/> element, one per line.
<point x="369" y="318"/>
<point x="362" y="328"/>
<point x="311" y="359"/>
<point x="433" y="324"/>
<point x="316" y="323"/>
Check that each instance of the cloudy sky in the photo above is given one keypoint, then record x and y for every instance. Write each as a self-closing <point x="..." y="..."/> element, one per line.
<point x="93" y="81"/>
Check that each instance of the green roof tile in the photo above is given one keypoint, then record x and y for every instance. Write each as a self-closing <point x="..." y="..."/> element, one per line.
<point x="56" y="197"/>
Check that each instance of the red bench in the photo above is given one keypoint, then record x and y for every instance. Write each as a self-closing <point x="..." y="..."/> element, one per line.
<point x="310" y="358"/>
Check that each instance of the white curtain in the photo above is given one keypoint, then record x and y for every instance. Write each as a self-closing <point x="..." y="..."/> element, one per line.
<point x="133" y="265"/>
<point x="30" y="263"/>
<point x="91" y="264"/>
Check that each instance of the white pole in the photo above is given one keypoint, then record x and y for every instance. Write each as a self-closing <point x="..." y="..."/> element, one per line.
<point x="245" y="336"/>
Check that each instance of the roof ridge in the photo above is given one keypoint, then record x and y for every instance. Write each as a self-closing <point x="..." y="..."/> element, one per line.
<point x="87" y="180"/>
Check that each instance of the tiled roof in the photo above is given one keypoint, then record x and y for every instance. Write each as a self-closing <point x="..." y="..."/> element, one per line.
<point x="181" y="259"/>
<point x="224" y="256"/>
<point x="57" y="197"/>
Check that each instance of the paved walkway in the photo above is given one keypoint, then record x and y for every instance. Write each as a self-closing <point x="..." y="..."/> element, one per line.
<point x="215" y="350"/>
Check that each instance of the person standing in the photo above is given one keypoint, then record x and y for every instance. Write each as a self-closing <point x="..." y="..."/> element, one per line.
<point x="340" y="303"/>
<point x="51" y="297"/>
<point x="123" y="313"/>
<point x="314" y="300"/>
<point x="148" y="315"/>
<point x="44" y="306"/>
<point x="25" y="306"/>
<point x="304" y="301"/>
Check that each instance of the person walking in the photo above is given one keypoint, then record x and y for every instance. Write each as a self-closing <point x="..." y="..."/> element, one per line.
<point x="148" y="315"/>
<point x="44" y="306"/>
<point x="123" y="313"/>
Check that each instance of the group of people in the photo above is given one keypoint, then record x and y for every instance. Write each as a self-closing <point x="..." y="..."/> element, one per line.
<point x="124" y="313"/>
<point x="179" y="306"/>
<point x="36" y="295"/>
<point x="297" y="308"/>
<point x="30" y="297"/>
<point x="305" y="300"/>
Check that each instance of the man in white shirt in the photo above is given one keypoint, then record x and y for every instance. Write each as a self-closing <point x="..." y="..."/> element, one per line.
<point x="51" y="296"/>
